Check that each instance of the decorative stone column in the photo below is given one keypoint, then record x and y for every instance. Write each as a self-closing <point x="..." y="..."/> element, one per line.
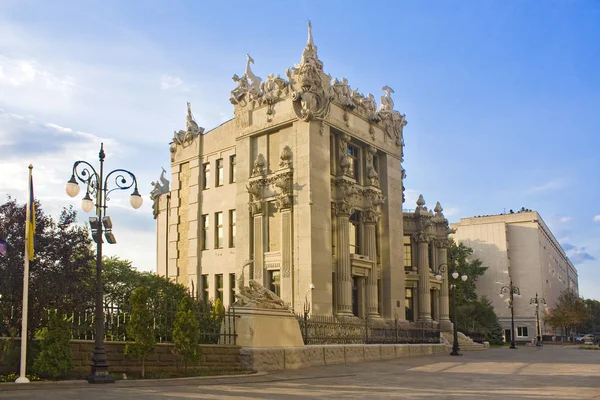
<point x="442" y="255"/>
<point x="424" y="289"/>
<point x="344" y="269"/>
<point x="259" y="248"/>
<point x="369" y="219"/>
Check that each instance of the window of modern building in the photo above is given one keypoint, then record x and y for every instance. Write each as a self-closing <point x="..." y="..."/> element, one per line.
<point x="232" y="169"/>
<point x="409" y="301"/>
<point x="354" y="154"/>
<point x="231" y="288"/>
<point x="275" y="282"/>
<point x="206" y="175"/>
<point x="219" y="287"/>
<point x="522" y="331"/>
<point x="205" y="233"/>
<point x="219" y="230"/>
<point x="205" y="289"/>
<point x="354" y="233"/>
<point x="407" y="254"/>
<point x="220" y="177"/>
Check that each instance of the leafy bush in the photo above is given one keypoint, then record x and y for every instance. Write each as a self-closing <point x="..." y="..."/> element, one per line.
<point x="186" y="333"/>
<point x="13" y="377"/>
<point x="55" y="357"/>
<point x="140" y="328"/>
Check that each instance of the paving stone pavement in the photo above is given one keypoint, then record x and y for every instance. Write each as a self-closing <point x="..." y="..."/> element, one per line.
<point x="553" y="372"/>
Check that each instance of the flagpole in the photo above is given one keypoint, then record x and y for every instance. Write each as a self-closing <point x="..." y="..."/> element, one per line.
<point x="22" y="377"/>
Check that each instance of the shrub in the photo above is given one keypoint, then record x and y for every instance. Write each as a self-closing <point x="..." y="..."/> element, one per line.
<point x="140" y="328"/>
<point x="186" y="333"/>
<point x="55" y="358"/>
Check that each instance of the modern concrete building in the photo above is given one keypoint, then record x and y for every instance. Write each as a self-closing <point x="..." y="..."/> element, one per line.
<point x="306" y="181"/>
<point x="518" y="247"/>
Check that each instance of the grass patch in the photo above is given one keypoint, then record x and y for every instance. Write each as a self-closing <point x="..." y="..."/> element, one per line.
<point x="589" y="347"/>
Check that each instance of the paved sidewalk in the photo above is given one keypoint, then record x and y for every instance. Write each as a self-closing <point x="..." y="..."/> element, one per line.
<point x="552" y="372"/>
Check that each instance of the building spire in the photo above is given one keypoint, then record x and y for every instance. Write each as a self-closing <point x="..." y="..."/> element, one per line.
<point x="309" y="42"/>
<point x="309" y="55"/>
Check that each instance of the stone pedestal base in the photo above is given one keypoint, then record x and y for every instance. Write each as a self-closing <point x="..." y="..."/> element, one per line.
<point x="446" y="326"/>
<point x="260" y="327"/>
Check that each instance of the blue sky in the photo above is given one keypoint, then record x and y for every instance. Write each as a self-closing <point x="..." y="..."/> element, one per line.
<point x="502" y="98"/>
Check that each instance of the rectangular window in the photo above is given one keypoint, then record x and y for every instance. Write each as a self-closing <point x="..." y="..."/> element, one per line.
<point x="220" y="172"/>
<point x="353" y="152"/>
<point x="231" y="288"/>
<point x="219" y="287"/>
<point x="522" y="331"/>
<point x="231" y="228"/>
<point x="407" y="254"/>
<point x="206" y="174"/>
<point x="354" y="234"/>
<point x="232" y="169"/>
<point x="219" y="230"/>
<point x="410" y="303"/>
<point x="205" y="233"/>
<point x="275" y="282"/>
<point x="205" y="288"/>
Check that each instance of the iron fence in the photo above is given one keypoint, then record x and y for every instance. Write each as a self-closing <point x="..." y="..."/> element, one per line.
<point x="333" y="330"/>
<point x="216" y="327"/>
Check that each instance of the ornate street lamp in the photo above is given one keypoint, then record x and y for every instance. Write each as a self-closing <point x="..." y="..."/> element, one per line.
<point x="537" y="301"/>
<point x="438" y="276"/>
<point x="97" y="188"/>
<point x="512" y="291"/>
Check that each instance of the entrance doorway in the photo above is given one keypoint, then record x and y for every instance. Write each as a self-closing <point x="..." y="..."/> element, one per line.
<point x="507" y="336"/>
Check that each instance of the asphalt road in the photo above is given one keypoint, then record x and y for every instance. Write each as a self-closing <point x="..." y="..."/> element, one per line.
<point x="552" y="372"/>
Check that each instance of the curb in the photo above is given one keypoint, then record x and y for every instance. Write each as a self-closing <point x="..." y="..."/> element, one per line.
<point x="77" y="384"/>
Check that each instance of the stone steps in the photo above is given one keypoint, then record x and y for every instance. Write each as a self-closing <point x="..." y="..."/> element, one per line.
<point x="464" y="342"/>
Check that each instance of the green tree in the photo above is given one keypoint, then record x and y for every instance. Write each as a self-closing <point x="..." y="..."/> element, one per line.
<point x="459" y="259"/>
<point x="140" y="328"/>
<point x="55" y="358"/>
<point x="568" y="313"/>
<point x="591" y="324"/>
<point x="60" y="273"/>
<point x="186" y="332"/>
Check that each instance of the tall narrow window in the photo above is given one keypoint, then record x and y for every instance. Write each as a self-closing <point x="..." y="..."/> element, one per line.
<point x="231" y="228"/>
<point x="219" y="287"/>
<point x="219" y="230"/>
<point x="353" y="152"/>
<point x="275" y="282"/>
<point x="206" y="174"/>
<point x="205" y="288"/>
<point x="220" y="177"/>
<point x="231" y="288"/>
<point x="232" y="169"/>
<point x="407" y="254"/>
<point x="205" y="232"/>
<point x="354" y="234"/>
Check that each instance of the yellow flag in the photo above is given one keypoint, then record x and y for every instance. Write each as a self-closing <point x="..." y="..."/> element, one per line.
<point x="30" y="219"/>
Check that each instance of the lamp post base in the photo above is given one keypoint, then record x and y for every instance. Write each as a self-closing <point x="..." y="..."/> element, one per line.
<point x="99" y="374"/>
<point x="513" y="345"/>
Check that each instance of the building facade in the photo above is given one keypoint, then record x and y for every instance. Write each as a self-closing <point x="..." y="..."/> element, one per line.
<point x="518" y="247"/>
<point x="307" y="182"/>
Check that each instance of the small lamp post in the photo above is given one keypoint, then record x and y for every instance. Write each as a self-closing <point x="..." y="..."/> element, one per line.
<point x="438" y="276"/>
<point x="537" y="301"/>
<point x="97" y="187"/>
<point x="512" y="291"/>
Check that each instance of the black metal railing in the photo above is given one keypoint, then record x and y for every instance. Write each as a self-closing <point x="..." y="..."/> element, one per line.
<point x="333" y="330"/>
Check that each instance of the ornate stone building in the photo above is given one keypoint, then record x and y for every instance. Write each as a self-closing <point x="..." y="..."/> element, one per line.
<point x="306" y="181"/>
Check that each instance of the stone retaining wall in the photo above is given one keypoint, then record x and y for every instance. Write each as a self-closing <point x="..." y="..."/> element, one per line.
<point x="271" y="359"/>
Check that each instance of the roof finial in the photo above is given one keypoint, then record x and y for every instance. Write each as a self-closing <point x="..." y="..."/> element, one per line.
<point x="310" y="39"/>
<point x="309" y="55"/>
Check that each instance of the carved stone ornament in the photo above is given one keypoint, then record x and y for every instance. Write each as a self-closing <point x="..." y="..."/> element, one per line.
<point x="283" y="182"/>
<point x="256" y="295"/>
<point x="372" y="174"/>
<point x="187" y="136"/>
<point x="421" y="237"/>
<point x="285" y="159"/>
<point x="160" y="187"/>
<point x="344" y="209"/>
<point x="254" y="82"/>
<point x="255" y="189"/>
<point x="370" y="216"/>
<point x="442" y="243"/>
<point x="238" y="95"/>
<point x="312" y="100"/>
<point x="272" y="90"/>
<point x="259" y="166"/>
<point x="345" y="161"/>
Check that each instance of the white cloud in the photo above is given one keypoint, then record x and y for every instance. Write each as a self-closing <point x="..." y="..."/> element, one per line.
<point x="566" y="219"/>
<point x="596" y="218"/>
<point x="546" y="187"/>
<point x="170" y="82"/>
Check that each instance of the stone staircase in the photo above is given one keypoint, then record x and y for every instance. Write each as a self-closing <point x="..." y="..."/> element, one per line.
<point x="465" y="343"/>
